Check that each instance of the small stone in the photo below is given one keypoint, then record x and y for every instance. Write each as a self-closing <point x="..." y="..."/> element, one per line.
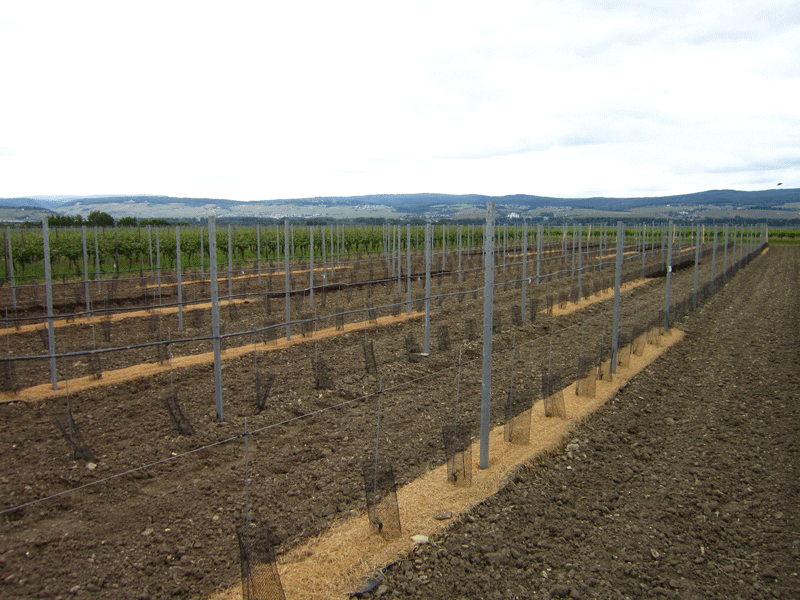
<point x="560" y="591"/>
<point x="669" y="421"/>
<point x="147" y="531"/>
<point x="382" y="589"/>
<point x="91" y="466"/>
<point x="420" y="539"/>
<point x="443" y="516"/>
<point x="369" y="585"/>
<point x="494" y="558"/>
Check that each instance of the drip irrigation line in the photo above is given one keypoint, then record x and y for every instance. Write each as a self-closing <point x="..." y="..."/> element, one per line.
<point x="223" y="336"/>
<point x="118" y="475"/>
<point x="234" y="334"/>
<point x="398" y="386"/>
<point x="233" y="438"/>
<point x="99" y="312"/>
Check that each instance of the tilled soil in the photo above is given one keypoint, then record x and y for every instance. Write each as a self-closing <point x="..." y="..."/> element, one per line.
<point x="353" y="287"/>
<point x="684" y="486"/>
<point x="168" y="530"/>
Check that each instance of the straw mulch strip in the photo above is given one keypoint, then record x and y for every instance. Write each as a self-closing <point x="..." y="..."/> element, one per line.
<point x="607" y="294"/>
<point x="224" y="279"/>
<point x="45" y="390"/>
<point x="171" y="310"/>
<point x="166" y="310"/>
<point x="331" y="566"/>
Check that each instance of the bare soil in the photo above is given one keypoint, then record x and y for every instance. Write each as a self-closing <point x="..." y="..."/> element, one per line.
<point x="168" y="530"/>
<point x="685" y="486"/>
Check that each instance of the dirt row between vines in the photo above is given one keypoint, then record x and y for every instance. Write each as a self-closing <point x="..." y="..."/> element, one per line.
<point x="168" y="529"/>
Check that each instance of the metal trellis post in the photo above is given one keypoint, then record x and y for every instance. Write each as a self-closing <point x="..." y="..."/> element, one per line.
<point x="488" y="317"/>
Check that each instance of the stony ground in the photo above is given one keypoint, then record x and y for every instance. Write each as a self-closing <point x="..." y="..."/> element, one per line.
<point x="684" y="486"/>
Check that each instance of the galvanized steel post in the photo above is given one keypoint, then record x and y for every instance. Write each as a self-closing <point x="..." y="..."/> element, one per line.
<point x="85" y="273"/>
<point x="644" y="249"/>
<point x="580" y="262"/>
<point x="310" y="268"/>
<point x="202" y="255"/>
<point x="539" y="246"/>
<point x="258" y="250"/>
<point x="149" y="249"/>
<point x="97" y="258"/>
<point x="178" y="276"/>
<point x="524" y="269"/>
<point x="230" y="266"/>
<point x="697" y="243"/>
<point x="158" y="265"/>
<point x="669" y="275"/>
<point x="212" y="253"/>
<point x="488" y="317"/>
<point x="408" y="269"/>
<point x="11" y="269"/>
<point x="399" y="260"/>
<point x="428" y="252"/>
<point x="324" y="259"/>
<point x="48" y="286"/>
<point x="286" y="252"/>
<point x="714" y="261"/>
<point x="617" y="285"/>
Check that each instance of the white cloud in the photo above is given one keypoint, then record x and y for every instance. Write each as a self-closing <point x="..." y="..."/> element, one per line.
<point x="266" y="100"/>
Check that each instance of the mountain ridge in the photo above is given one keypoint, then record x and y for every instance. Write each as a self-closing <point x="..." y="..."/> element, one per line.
<point x="785" y="202"/>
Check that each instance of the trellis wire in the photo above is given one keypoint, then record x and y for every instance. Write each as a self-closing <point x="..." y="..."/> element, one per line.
<point x="228" y="440"/>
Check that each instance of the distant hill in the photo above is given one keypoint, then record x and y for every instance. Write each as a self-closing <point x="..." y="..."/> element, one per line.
<point x="30" y="202"/>
<point x="780" y="204"/>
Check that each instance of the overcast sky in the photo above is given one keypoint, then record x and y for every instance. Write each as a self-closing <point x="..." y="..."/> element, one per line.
<point x="269" y="100"/>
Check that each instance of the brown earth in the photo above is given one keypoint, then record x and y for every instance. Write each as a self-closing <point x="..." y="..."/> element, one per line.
<point x="168" y="529"/>
<point x="137" y="331"/>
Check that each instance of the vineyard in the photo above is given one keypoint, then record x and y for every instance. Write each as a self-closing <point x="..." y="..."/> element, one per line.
<point x="165" y="390"/>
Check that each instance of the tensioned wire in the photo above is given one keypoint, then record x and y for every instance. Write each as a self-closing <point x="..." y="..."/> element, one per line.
<point x="296" y="418"/>
<point x="223" y="267"/>
<point x="396" y="387"/>
<point x="266" y="328"/>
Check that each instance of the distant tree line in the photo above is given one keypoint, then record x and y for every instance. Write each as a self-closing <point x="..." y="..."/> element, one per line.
<point x="103" y="219"/>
